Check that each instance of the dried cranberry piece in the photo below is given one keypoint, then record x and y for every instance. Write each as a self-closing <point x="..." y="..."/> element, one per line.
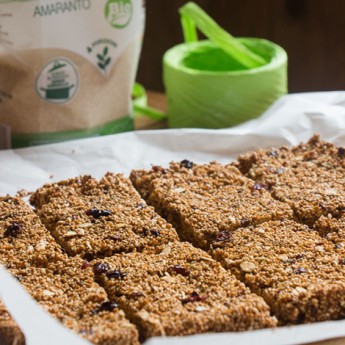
<point x="99" y="268"/>
<point x="116" y="274"/>
<point x="342" y="261"/>
<point x="186" y="164"/>
<point x="179" y="270"/>
<point x="259" y="186"/>
<point x="299" y="256"/>
<point x="245" y="221"/>
<point x="300" y="270"/>
<point x="193" y="297"/>
<point x="273" y="153"/>
<point x="13" y="230"/>
<point x="155" y="232"/>
<point x="136" y="295"/>
<point x="341" y="152"/>
<point x="224" y="236"/>
<point x="105" y="306"/>
<point x="108" y="306"/>
<point x="85" y="265"/>
<point x="95" y="213"/>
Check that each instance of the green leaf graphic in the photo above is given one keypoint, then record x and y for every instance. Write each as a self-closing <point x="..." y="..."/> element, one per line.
<point x="101" y="66"/>
<point x="105" y="51"/>
<point x="107" y="61"/>
<point x="100" y="57"/>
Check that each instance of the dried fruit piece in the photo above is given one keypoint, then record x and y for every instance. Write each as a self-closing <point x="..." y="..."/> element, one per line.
<point x="223" y="236"/>
<point x="155" y="233"/>
<point x="85" y="265"/>
<point x="108" y="306"/>
<point x="99" y="268"/>
<point x="136" y="295"/>
<point x="186" y="164"/>
<point x="245" y="221"/>
<point x="13" y="230"/>
<point x="193" y="297"/>
<point x="116" y="274"/>
<point x="341" y="152"/>
<point x="95" y="213"/>
<point x="179" y="270"/>
<point x="105" y="306"/>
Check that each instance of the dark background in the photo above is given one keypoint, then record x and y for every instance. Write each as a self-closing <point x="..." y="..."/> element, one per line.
<point x="311" y="31"/>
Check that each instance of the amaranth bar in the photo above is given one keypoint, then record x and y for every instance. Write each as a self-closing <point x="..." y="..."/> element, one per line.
<point x="297" y="272"/>
<point x="309" y="177"/>
<point x="205" y="202"/>
<point x="64" y="286"/>
<point x="99" y="218"/>
<point x="180" y="291"/>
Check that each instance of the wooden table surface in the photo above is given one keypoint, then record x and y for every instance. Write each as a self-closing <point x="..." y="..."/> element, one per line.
<point x="158" y="101"/>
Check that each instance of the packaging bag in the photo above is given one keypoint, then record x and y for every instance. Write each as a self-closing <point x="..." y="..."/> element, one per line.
<point x="67" y="68"/>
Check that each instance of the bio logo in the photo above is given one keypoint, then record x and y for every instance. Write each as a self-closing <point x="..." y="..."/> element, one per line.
<point x="119" y="13"/>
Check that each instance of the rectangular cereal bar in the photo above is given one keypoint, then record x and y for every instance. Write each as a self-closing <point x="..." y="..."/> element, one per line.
<point x="24" y="241"/>
<point x="180" y="291"/>
<point x="68" y="291"/>
<point x="99" y="218"/>
<point x="298" y="273"/>
<point x="309" y="177"/>
<point x="205" y="202"/>
<point x="64" y="286"/>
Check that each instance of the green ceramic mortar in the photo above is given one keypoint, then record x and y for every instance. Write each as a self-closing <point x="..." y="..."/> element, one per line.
<point x="223" y="81"/>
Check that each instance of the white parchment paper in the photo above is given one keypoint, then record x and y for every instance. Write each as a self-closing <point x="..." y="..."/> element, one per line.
<point x="294" y="118"/>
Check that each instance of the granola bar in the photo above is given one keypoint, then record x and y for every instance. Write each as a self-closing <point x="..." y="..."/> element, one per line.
<point x="205" y="202"/>
<point x="309" y="177"/>
<point x="67" y="290"/>
<point x="180" y="291"/>
<point x="298" y="273"/>
<point x="99" y="218"/>
<point x="23" y="239"/>
<point x="64" y="286"/>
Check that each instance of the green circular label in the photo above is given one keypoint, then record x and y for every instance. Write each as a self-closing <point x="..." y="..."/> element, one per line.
<point x="58" y="81"/>
<point x="118" y="13"/>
